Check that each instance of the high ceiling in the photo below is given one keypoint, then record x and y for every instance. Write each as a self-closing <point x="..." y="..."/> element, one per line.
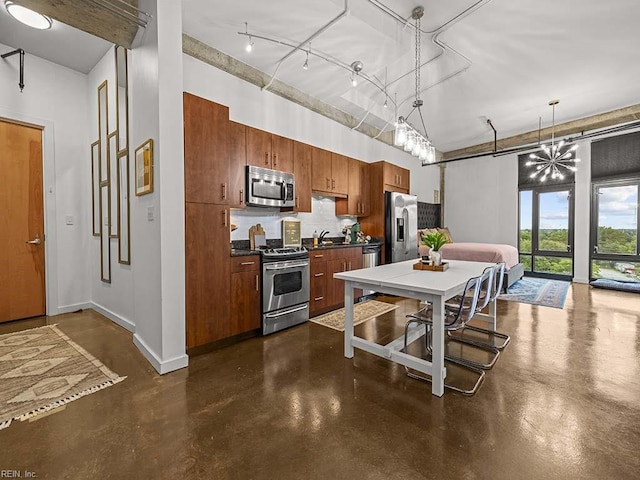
<point x="500" y="60"/>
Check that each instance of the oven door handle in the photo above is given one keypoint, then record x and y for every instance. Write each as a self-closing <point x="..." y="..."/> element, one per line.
<point x="287" y="312"/>
<point x="286" y="267"/>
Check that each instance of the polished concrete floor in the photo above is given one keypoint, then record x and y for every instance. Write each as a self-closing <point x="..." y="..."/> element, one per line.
<point x="562" y="402"/>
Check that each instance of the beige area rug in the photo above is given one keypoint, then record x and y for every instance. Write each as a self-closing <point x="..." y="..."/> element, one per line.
<point x="42" y="369"/>
<point x="361" y="313"/>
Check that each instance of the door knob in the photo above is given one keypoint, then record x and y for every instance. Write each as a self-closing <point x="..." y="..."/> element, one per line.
<point x="35" y="241"/>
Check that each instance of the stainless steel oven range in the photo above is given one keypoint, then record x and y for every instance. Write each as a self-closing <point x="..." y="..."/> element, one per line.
<point x="285" y="288"/>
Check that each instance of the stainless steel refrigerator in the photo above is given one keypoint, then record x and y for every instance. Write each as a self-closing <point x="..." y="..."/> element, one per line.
<point x="401" y="227"/>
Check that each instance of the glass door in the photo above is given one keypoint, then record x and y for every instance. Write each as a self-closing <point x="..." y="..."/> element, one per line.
<point x="614" y="231"/>
<point x="546" y="231"/>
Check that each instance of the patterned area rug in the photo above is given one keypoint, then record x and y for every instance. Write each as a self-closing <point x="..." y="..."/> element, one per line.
<point x="41" y="369"/>
<point x="361" y="313"/>
<point x="538" y="291"/>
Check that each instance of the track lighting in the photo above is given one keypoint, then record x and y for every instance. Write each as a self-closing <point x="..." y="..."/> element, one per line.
<point x="356" y="68"/>
<point x="249" y="46"/>
<point x="306" y="62"/>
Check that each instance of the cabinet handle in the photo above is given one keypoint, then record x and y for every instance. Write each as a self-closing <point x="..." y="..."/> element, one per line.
<point x="318" y="274"/>
<point x="275" y="160"/>
<point x="247" y="263"/>
<point x="328" y="183"/>
<point x="257" y="282"/>
<point x="224" y="191"/>
<point x="241" y="196"/>
<point x="333" y="184"/>
<point x="266" y="158"/>
<point x="224" y="216"/>
<point x="317" y="299"/>
<point x="318" y="256"/>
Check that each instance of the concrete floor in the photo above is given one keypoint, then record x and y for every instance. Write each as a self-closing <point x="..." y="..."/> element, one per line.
<point x="562" y="402"/>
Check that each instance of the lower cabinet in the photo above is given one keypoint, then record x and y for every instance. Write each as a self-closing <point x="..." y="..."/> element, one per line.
<point x="327" y="293"/>
<point x="245" y="312"/>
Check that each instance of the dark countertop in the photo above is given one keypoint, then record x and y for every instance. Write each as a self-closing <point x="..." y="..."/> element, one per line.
<point x="237" y="252"/>
<point x="243" y="253"/>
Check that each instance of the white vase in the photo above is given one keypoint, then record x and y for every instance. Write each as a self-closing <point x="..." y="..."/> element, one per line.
<point x="436" y="257"/>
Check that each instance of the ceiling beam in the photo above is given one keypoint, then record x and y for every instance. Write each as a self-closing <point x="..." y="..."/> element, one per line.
<point x="88" y="17"/>
<point x="218" y="59"/>
<point x="594" y="122"/>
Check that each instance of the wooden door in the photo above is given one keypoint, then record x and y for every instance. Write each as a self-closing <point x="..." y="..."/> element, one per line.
<point x="318" y="294"/>
<point x="237" y="164"/>
<point x="207" y="267"/>
<point x="339" y="174"/>
<point x="282" y="154"/>
<point x="22" y="280"/>
<point x="335" y="287"/>
<point x="302" y="173"/>
<point x="321" y="170"/>
<point x="245" y="302"/>
<point x="258" y="148"/>
<point x="351" y="204"/>
<point x="365" y="188"/>
<point x="206" y="151"/>
<point x="404" y="177"/>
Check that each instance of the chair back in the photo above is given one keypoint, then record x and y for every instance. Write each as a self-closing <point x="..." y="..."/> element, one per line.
<point x="498" y="280"/>
<point x="469" y="302"/>
<point x="486" y="288"/>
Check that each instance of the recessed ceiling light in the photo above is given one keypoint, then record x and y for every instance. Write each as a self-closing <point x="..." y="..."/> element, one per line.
<point x="28" y="17"/>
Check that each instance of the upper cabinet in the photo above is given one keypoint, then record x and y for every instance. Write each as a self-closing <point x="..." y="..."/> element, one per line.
<point x="237" y="164"/>
<point x="302" y="173"/>
<point x="330" y="173"/>
<point x="396" y="179"/>
<point x="357" y="202"/>
<point x="206" y="151"/>
<point x="268" y="150"/>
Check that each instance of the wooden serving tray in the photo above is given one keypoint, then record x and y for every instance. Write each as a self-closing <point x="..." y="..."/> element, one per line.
<point x="432" y="268"/>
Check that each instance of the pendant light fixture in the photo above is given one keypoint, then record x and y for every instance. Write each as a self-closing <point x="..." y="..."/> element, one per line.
<point x="556" y="159"/>
<point x="407" y="137"/>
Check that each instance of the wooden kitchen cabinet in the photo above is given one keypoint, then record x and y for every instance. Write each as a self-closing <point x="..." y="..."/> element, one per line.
<point x="327" y="293"/>
<point x="330" y="173"/>
<point x="237" y="164"/>
<point x="340" y="174"/>
<point x="206" y="151"/>
<point x="318" y="285"/>
<point x="245" y="312"/>
<point x="357" y="202"/>
<point x="302" y="173"/>
<point x="268" y="150"/>
<point x="207" y="269"/>
<point x="396" y="179"/>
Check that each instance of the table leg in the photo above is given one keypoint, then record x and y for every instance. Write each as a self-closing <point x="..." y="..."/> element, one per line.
<point x="348" y="319"/>
<point x="437" y="360"/>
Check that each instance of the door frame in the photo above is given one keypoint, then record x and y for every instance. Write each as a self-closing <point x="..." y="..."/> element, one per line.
<point x="49" y="199"/>
<point x="535" y="223"/>
<point x="593" y="218"/>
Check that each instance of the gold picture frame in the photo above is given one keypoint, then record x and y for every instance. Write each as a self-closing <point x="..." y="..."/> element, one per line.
<point x="144" y="168"/>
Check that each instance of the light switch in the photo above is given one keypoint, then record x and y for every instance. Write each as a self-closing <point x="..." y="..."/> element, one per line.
<point x="150" y="213"/>
<point x="68" y="219"/>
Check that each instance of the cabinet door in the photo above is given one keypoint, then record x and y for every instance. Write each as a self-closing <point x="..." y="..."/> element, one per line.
<point x="339" y="174"/>
<point x="352" y="204"/>
<point x="404" y="176"/>
<point x="365" y="188"/>
<point x="237" y="164"/>
<point x="302" y="172"/>
<point x="207" y="271"/>
<point x="206" y="151"/>
<point x="390" y="175"/>
<point x="282" y="154"/>
<point x="318" y="284"/>
<point x="245" y="311"/>
<point x="258" y="148"/>
<point x="335" y="287"/>
<point x="321" y="170"/>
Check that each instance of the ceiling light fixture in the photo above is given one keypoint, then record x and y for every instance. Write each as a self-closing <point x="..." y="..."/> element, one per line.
<point x="306" y="62"/>
<point x="27" y="16"/>
<point x="553" y="156"/>
<point x="406" y="136"/>
<point x="249" y="46"/>
<point x="356" y="68"/>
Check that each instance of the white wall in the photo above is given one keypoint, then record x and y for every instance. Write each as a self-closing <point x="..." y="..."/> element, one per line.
<point x="249" y="105"/>
<point x="114" y="299"/>
<point x="481" y="203"/>
<point x="56" y="98"/>
<point x="157" y="219"/>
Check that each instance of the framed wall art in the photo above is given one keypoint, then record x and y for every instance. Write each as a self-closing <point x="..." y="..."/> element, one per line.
<point x="144" y="168"/>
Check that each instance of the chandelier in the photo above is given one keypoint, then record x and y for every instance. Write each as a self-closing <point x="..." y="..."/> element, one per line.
<point x="407" y="137"/>
<point x="554" y="160"/>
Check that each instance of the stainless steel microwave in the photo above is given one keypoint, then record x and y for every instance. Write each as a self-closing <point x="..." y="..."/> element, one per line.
<point x="269" y="188"/>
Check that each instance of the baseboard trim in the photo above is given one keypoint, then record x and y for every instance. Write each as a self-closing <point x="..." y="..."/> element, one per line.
<point x="114" y="317"/>
<point x="73" y="308"/>
<point x="161" y="366"/>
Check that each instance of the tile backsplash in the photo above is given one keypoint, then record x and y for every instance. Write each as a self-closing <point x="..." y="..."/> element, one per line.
<point x="323" y="217"/>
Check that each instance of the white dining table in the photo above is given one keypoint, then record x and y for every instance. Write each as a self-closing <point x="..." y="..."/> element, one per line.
<point x="429" y="286"/>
